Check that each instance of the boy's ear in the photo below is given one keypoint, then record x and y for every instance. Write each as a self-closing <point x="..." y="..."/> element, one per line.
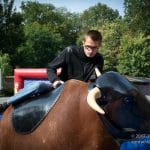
<point x="83" y="42"/>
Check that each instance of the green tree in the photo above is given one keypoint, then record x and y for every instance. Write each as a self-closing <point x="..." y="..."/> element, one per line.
<point x="98" y="15"/>
<point x="60" y="19"/>
<point x="11" y="30"/>
<point x="134" y="56"/>
<point x="5" y="65"/>
<point x="137" y="15"/>
<point x="70" y="26"/>
<point x="41" y="13"/>
<point x="112" y="34"/>
<point x="42" y="44"/>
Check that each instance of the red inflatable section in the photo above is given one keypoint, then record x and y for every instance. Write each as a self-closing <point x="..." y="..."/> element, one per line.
<point x="21" y="74"/>
<point x="27" y="73"/>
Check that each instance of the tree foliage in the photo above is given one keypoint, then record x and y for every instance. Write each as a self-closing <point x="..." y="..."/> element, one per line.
<point x="134" y="56"/>
<point x="5" y="66"/>
<point x="59" y="19"/>
<point x="34" y="36"/>
<point x="112" y="33"/>
<point x="70" y="26"/>
<point x="98" y="15"/>
<point x="11" y="30"/>
<point x="41" y="45"/>
<point x="137" y="15"/>
<point x="41" y="13"/>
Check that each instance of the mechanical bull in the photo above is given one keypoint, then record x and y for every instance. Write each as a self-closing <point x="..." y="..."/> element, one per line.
<point x="85" y="117"/>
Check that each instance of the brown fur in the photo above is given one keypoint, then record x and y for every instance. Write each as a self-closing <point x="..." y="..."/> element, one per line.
<point x="70" y="125"/>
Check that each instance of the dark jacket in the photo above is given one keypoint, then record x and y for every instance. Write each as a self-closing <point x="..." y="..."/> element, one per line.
<point x="75" y="65"/>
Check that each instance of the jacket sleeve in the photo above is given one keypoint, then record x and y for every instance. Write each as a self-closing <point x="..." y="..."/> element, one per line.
<point x="58" y="62"/>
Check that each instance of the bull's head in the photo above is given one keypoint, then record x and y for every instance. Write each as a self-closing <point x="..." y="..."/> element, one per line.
<point x="124" y="105"/>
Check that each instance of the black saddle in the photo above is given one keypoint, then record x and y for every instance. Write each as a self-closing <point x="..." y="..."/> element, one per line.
<point x="27" y="115"/>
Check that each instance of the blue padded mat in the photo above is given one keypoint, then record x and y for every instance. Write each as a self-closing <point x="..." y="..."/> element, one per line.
<point x="139" y="144"/>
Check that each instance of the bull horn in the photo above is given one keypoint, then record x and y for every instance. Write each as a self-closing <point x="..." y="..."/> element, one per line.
<point x="91" y="100"/>
<point x="97" y="71"/>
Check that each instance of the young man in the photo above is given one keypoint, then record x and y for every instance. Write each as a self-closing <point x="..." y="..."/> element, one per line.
<point x="75" y="63"/>
<point x="78" y="62"/>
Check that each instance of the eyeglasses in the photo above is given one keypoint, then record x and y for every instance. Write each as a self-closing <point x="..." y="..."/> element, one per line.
<point x="91" y="47"/>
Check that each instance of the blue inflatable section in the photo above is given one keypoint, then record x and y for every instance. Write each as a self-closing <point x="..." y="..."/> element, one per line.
<point x="29" y="81"/>
<point x="0" y="116"/>
<point x="30" y="88"/>
<point x="139" y="144"/>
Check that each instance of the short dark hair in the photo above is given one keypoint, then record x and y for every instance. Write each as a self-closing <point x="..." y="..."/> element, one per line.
<point x="94" y="34"/>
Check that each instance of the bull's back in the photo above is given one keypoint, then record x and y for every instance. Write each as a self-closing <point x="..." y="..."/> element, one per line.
<point x="71" y="124"/>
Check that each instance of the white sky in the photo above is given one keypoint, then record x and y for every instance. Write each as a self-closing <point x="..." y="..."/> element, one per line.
<point x="80" y="5"/>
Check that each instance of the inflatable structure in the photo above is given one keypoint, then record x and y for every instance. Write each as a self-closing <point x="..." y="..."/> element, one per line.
<point x="22" y="77"/>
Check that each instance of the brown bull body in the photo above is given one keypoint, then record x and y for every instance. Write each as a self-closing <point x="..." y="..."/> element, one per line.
<point x="70" y="125"/>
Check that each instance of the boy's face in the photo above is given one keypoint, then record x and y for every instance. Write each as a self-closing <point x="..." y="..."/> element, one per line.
<point x="90" y="47"/>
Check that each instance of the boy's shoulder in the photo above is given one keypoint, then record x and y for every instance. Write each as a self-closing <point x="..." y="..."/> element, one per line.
<point x="72" y="49"/>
